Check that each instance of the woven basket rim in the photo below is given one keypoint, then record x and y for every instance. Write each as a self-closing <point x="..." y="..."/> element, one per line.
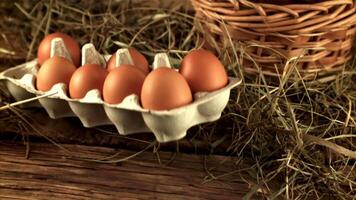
<point x="293" y="5"/>
<point x="325" y="29"/>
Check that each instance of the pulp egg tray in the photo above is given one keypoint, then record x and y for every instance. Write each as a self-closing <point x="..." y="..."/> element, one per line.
<point x="128" y="116"/>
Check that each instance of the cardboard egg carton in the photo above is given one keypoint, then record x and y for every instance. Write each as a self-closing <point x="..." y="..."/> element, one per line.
<point x="128" y="116"/>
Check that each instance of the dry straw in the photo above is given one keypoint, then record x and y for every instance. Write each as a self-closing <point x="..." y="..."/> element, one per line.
<point x="296" y="139"/>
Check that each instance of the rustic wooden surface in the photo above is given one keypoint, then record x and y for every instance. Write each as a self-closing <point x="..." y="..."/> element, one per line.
<point x="53" y="173"/>
<point x="70" y="130"/>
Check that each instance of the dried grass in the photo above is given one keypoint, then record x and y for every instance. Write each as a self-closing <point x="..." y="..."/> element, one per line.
<point x="298" y="138"/>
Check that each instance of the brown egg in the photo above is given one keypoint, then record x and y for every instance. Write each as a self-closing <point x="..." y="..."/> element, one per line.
<point x="122" y="82"/>
<point x="44" y="49"/>
<point x="203" y="71"/>
<point x="138" y="59"/>
<point x="165" y="89"/>
<point x="86" y="78"/>
<point x="54" y="70"/>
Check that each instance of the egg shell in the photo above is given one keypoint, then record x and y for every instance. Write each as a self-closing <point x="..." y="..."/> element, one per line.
<point x="54" y="70"/>
<point x="44" y="49"/>
<point x="138" y="59"/>
<point x="122" y="82"/>
<point x="86" y="78"/>
<point x="165" y="89"/>
<point x="203" y="71"/>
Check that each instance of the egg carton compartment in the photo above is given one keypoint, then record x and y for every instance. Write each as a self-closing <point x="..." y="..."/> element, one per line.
<point x="128" y="116"/>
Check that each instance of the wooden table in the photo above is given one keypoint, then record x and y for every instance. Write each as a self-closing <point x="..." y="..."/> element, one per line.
<point x="51" y="172"/>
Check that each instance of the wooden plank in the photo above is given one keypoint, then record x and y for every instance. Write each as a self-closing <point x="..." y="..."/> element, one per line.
<point x="51" y="172"/>
<point x="70" y="130"/>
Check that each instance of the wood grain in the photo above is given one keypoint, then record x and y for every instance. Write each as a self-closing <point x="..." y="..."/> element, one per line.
<point x="52" y="173"/>
<point x="70" y="130"/>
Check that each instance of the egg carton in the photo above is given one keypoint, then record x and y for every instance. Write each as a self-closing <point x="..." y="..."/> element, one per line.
<point x="128" y="116"/>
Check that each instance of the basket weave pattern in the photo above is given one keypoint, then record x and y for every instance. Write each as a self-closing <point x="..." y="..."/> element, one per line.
<point x="319" y="34"/>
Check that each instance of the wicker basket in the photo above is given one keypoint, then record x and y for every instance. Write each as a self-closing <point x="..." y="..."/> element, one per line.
<point x="318" y="35"/>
